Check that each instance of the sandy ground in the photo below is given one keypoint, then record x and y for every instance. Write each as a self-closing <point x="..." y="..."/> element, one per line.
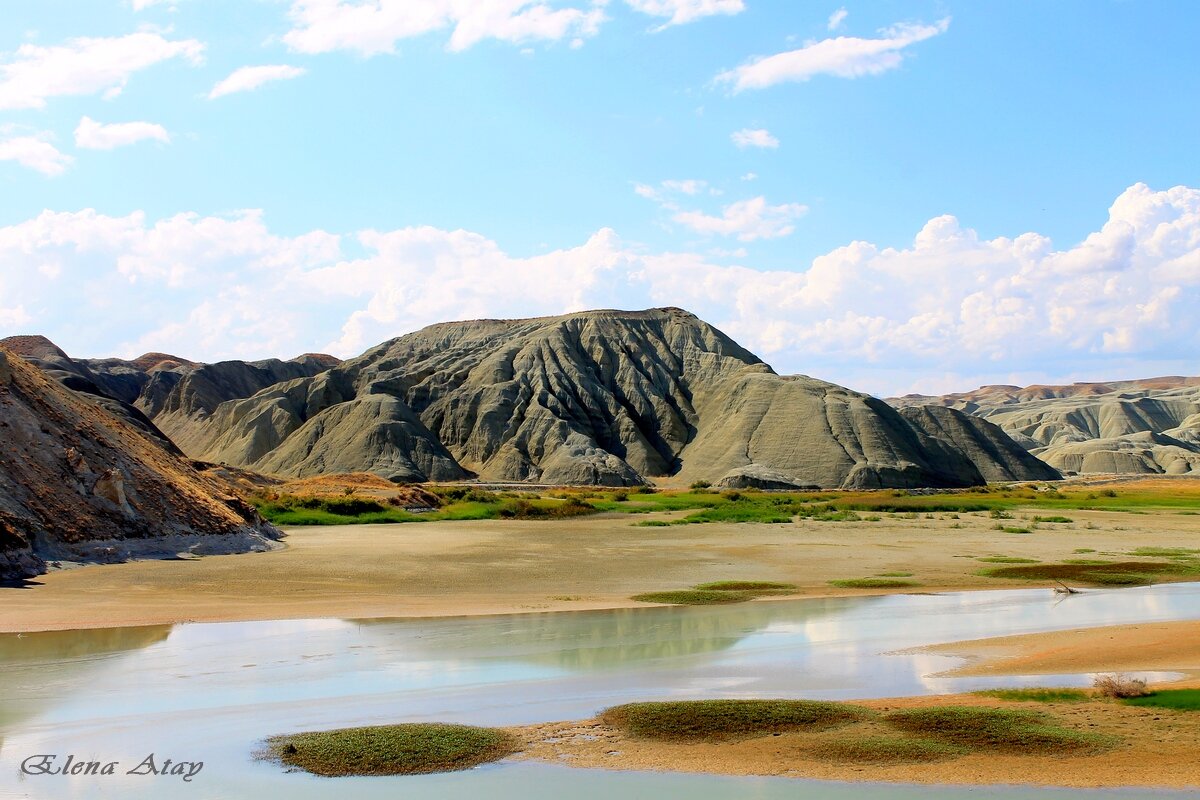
<point x="508" y="566"/>
<point x="1157" y="748"/>
<point x="1152" y="647"/>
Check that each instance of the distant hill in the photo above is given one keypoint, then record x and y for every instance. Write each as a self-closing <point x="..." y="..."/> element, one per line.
<point x="80" y="484"/>
<point x="598" y="397"/>
<point x="1149" y="426"/>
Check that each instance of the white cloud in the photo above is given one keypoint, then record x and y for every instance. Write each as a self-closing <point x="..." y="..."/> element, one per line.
<point x="36" y="153"/>
<point x="370" y="27"/>
<point x="662" y="193"/>
<point x="750" y="176"/>
<point x="747" y="219"/>
<point x="245" y="79"/>
<point x="754" y="137"/>
<point x="14" y="318"/>
<point x="683" y="11"/>
<point x="843" y="57"/>
<point x="85" y="66"/>
<point x="837" y="18"/>
<point x="94" y="135"/>
<point x="142" y="5"/>
<point x="949" y="305"/>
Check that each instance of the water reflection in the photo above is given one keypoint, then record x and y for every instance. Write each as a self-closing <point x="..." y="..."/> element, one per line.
<point x="600" y="640"/>
<point x="213" y="691"/>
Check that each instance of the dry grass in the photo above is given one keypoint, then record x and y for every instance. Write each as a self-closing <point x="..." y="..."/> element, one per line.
<point x="1120" y="686"/>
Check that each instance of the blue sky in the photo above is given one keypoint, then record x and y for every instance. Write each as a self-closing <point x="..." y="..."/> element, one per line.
<point x="383" y="165"/>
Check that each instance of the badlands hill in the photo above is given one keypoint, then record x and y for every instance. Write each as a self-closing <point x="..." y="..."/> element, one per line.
<point x="1140" y="426"/>
<point x="599" y="397"/>
<point x="80" y="484"/>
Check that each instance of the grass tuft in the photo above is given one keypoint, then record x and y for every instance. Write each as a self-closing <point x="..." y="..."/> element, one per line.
<point x="747" y="586"/>
<point x="722" y="720"/>
<point x="1037" y="695"/>
<point x="1011" y="730"/>
<point x="887" y="750"/>
<point x="1114" y="573"/>
<point x="695" y="597"/>
<point x="408" y="749"/>
<point x="873" y="583"/>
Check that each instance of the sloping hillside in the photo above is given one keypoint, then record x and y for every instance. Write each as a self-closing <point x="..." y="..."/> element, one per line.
<point x="1140" y="426"/>
<point x="79" y="484"/>
<point x="600" y="397"/>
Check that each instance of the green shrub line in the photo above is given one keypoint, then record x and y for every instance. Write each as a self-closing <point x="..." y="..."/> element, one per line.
<point x="406" y="749"/>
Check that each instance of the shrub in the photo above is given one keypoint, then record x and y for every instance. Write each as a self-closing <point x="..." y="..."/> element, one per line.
<point x="1120" y="686"/>
<point x="621" y="497"/>
<point x="732" y="496"/>
<point x="700" y="485"/>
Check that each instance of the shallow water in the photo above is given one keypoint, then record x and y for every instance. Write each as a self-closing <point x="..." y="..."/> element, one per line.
<point x="212" y="692"/>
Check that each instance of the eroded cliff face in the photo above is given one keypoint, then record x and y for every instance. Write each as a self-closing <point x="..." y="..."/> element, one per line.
<point x="1149" y="426"/>
<point x="601" y="397"/>
<point x="78" y="483"/>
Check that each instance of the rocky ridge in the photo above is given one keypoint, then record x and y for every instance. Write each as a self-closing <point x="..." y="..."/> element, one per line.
<point x="599" y="397"/>
<point x="1149" y="426"/>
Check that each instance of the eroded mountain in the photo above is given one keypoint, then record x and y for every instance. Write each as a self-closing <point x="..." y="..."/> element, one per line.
<point x="78" y="483"/>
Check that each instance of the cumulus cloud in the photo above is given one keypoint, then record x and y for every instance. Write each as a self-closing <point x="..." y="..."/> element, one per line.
<point x="754" y="137"/>
<point x="245" y="79"/>
<point x="837" y="18"/>
<point x="93" y="135"/>
<point x="36" y="153"/>
<point x="370" y="27"/>
<point x="681" y="12"/>
<point x="748" y="220"/>
<point x="85" y="66"/>
<point x="843" y="57"/>
<point x="947" y="307"/>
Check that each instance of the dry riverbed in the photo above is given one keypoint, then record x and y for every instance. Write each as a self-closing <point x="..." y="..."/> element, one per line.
<point x="513" y="566"/>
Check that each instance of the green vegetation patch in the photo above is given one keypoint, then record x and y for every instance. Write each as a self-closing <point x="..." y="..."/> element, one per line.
<point x="887" y="750"/>
<point x="722" y="720"/>
<point x="747" y="586"/>
<point x="1053" y="518"/>
<point x="1112" y="573"/>
<point x="873" y="583"/>
<point x="1178" y="699"/>
<point x="1173" y="553"/>
<point x="1038" y="695"/>
<point x="1011" y="730"/>
<point x="695" y="597"/>
<point x="409" y="749"/>
<point x="894" y="575"/>
<point x="717" y="592"/>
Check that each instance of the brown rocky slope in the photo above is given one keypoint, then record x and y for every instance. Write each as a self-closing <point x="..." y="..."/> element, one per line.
<point x="79" y="484"/>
